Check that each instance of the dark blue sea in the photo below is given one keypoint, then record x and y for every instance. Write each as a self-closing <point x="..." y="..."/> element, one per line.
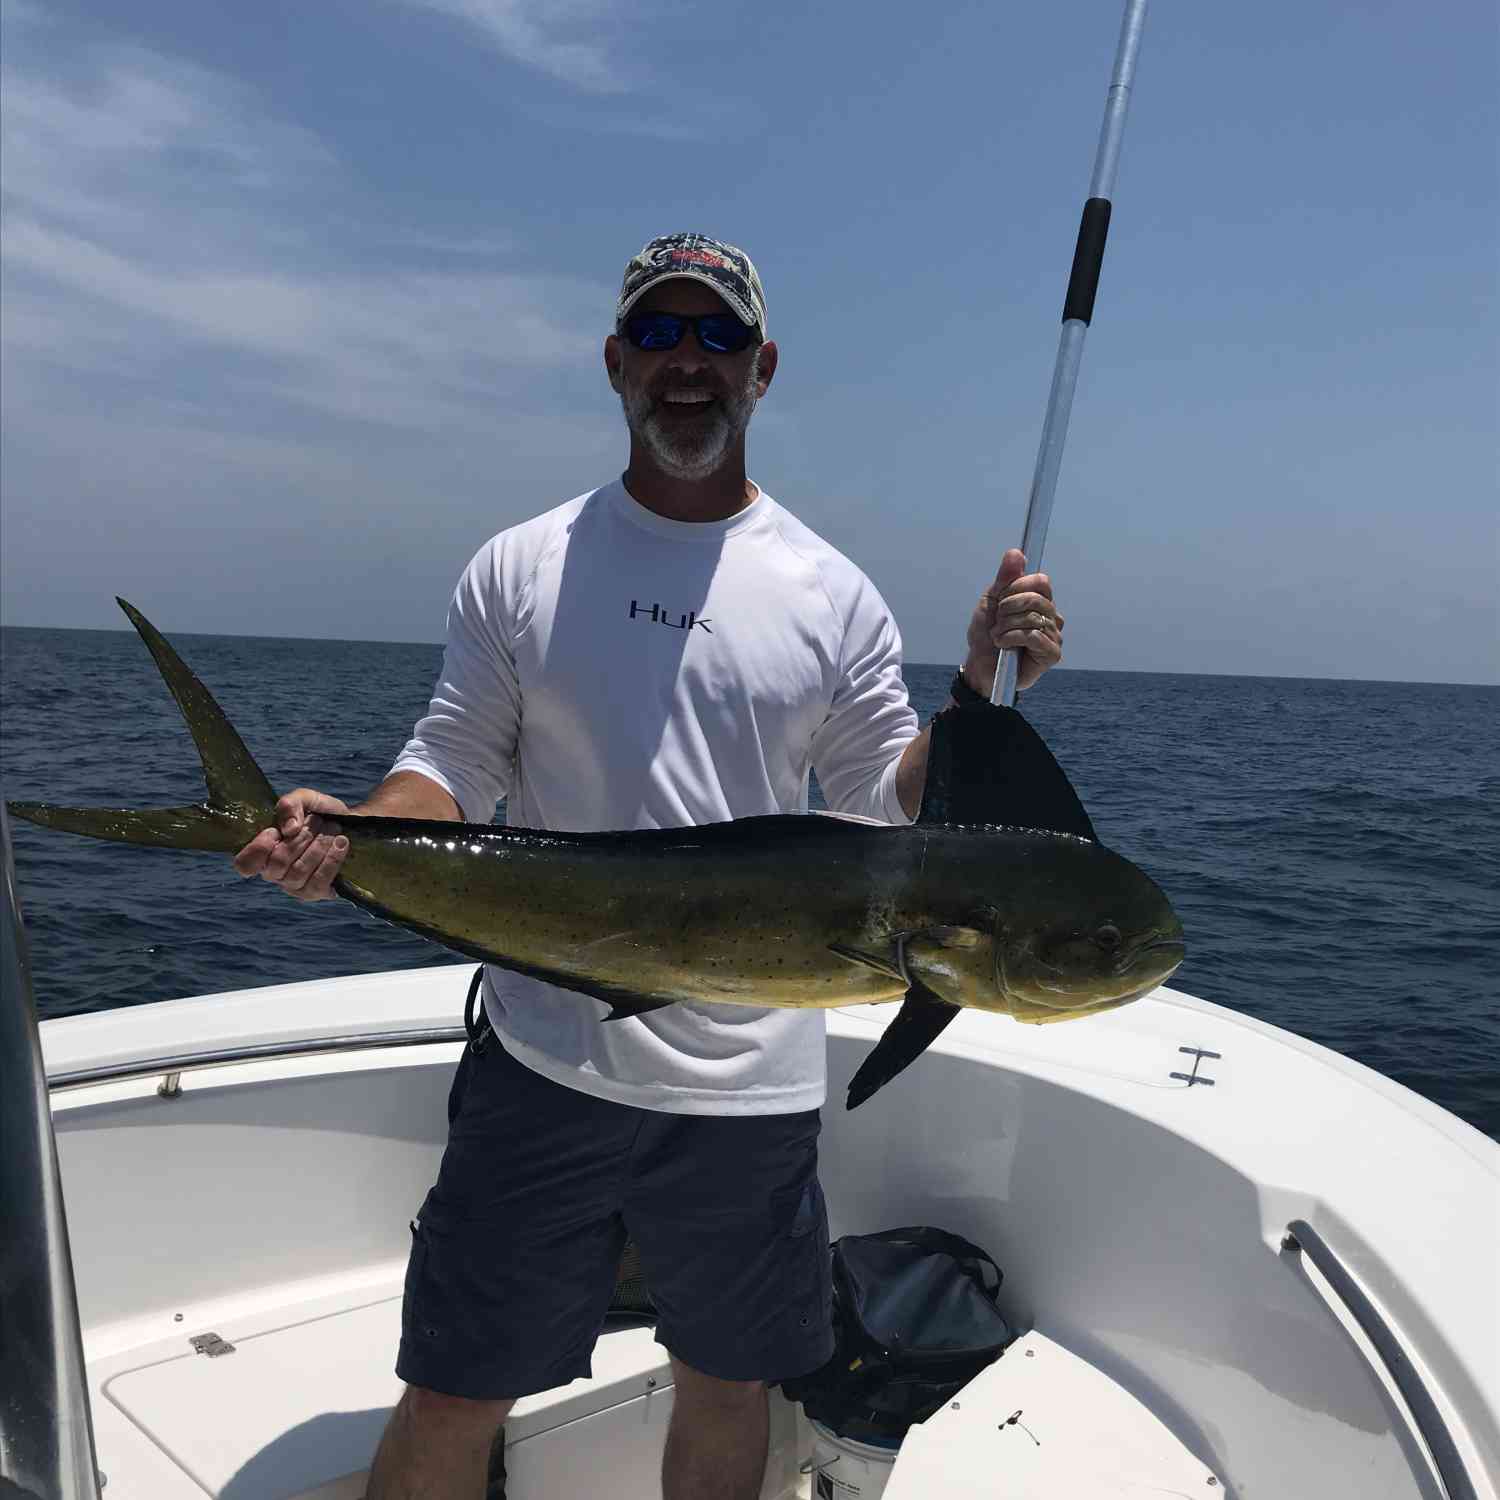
<point x="1333" y="848"/>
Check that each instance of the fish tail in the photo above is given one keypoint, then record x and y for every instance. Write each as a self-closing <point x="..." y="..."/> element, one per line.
<point x="156" y="827"/>
<point x="240" y="800"/>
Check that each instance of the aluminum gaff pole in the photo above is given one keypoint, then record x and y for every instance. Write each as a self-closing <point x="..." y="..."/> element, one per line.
<point x="1078" y="309"/>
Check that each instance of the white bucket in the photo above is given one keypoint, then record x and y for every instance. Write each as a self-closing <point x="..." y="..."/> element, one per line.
<point x="845" y="1469"/>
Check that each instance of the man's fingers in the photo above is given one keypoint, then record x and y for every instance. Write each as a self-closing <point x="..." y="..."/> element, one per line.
<point x="1012" y="566"/>
<point x="319" y="885"/>
<point x="311" y="873"/>
<point x="1017" y="613"/>
<point x="251" y="860"/>
<point x="1012" y="575"/>
<point x="295" y="844"/>
<point x="1042" y="643"/>
<point x="1035" y="589"/>
<point x="1026" y="624"/>
<point x="1022" y="603"/>
<point x="1022" y="583"/>
<point x="291" y="812"/>
<point x="303" y="849"/>
<point x="286" y="854"/>
<point x="301" y="821"/>
<point x="298" y="871"/>
<point x="320" y="882"/>
<point x="302" y="808"/>
<point x="1038" y="653"/>
<point x="1021" y="612"/>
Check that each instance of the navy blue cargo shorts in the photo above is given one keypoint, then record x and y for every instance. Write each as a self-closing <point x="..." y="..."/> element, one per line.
<point x="516" y="1248"/>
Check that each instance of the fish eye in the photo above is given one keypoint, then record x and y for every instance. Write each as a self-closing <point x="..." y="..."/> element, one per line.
<point x="1108" y="937"/>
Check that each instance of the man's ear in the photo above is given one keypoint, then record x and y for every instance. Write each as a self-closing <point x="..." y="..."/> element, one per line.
<point x="765" y="367"/>
<point x="612" y="360"/>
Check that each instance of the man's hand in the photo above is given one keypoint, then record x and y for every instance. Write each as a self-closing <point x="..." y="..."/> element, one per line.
<point x="303" y="849"/>
<point x="1015" y="613"/>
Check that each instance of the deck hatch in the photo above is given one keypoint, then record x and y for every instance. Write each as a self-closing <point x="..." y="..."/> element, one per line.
<point x="303" y="1402"/>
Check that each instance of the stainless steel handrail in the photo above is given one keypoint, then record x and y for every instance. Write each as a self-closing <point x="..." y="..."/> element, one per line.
<point x="223" y="1057"/>
<point x="46" y="1435"/>
<point x="1301" y="1236"/>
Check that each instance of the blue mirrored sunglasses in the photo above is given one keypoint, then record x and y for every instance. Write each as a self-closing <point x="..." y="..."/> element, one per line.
<point x="718" y="333"/>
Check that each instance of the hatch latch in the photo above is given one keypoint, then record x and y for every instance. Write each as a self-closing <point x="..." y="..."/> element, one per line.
<point x="210" y="1344"/>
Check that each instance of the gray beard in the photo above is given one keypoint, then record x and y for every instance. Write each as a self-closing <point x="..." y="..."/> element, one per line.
<point x="698" y="453"/>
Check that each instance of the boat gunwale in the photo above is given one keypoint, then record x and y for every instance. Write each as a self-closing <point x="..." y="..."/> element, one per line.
<point x="223" y="1057"/>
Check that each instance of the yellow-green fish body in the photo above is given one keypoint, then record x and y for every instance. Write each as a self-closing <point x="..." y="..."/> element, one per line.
<point x="1039" y="923"/>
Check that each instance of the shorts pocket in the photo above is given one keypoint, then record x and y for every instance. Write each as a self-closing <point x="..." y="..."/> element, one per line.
<point x="421" y="1318"/>
<point x="809" y="1235"/>
<point x="809" y="1210"/>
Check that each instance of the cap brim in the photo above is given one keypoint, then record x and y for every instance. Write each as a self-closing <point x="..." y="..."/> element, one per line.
<point x="733" y="303"/>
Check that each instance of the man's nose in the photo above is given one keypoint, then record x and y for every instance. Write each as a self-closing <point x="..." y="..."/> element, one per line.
<point x="688" y="357"/>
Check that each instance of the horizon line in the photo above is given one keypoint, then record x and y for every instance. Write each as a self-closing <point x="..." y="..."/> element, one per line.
<point x="339" y="640"/>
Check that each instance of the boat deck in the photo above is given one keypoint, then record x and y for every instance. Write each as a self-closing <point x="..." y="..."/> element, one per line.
<point x="286" y="1401"/>
<point x="245" y="1165"/>
<point x="271" y="1400"/>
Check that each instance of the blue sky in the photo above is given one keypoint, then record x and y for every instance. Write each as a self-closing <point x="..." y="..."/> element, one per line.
<point x="302" y="302"/>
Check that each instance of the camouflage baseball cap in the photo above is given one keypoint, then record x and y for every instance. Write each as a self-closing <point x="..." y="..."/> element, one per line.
<point x="725" y="268"/>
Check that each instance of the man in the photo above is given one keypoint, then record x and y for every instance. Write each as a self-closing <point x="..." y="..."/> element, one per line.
<point x="671" y="649"/>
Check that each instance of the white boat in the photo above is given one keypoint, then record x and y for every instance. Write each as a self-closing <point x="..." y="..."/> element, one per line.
<point x="1241" y="1264"/>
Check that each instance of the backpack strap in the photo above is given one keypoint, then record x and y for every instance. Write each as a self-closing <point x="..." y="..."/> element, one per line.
<point x="942" y="1242"/>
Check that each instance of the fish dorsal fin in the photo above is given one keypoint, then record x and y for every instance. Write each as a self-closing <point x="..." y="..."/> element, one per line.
<point x="986" y="766"/>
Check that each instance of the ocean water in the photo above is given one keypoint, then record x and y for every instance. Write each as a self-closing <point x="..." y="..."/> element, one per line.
<point x="1333" y="848"/>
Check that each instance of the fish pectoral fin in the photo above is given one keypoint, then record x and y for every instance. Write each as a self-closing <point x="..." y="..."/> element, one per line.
<point x="887" y="966"/>
<point x="623" y="1006"/>
<point x="917" y="1025"/>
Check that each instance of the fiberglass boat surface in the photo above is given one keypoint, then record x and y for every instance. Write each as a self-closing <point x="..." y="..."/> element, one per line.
<point x="240" y="1169"/>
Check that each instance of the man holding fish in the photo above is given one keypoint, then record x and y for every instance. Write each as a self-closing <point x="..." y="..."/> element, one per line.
<point x="672" y="649"/>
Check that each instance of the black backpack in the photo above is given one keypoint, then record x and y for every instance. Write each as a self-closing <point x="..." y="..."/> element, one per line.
<point x="914" y="1321"/>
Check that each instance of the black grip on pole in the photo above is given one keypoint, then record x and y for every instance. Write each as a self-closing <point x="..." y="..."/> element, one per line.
<point x="1088" y="256"/>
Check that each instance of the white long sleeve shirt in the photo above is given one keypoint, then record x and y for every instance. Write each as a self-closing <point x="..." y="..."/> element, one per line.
<point x="608" y="668"/>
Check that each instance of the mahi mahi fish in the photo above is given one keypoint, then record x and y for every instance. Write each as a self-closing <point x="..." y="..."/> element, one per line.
<point x="999" y="897"/>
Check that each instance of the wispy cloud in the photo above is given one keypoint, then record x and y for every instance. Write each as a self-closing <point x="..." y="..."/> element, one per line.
<point x="154" y="211"/>
<point x="226" y="331"/>
<point x="466" y="246"/>
<point x="613" y="76"/>
<point x="106" y="143"/>
<point x="561" y="38"/>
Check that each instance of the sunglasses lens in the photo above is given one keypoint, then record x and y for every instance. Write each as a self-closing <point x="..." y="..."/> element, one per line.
<point x="655" y="331"/>
<point x="719" y="333"/>
<point x="723" y="333"/>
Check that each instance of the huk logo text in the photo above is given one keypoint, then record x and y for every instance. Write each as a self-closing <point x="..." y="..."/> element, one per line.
<point x="659" y="616"/>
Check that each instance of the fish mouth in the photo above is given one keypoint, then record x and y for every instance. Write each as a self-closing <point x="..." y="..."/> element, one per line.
<point x="1136" y="973"/>
<point x="1058" y="1006"/>
<point x="1173" y="948"/>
